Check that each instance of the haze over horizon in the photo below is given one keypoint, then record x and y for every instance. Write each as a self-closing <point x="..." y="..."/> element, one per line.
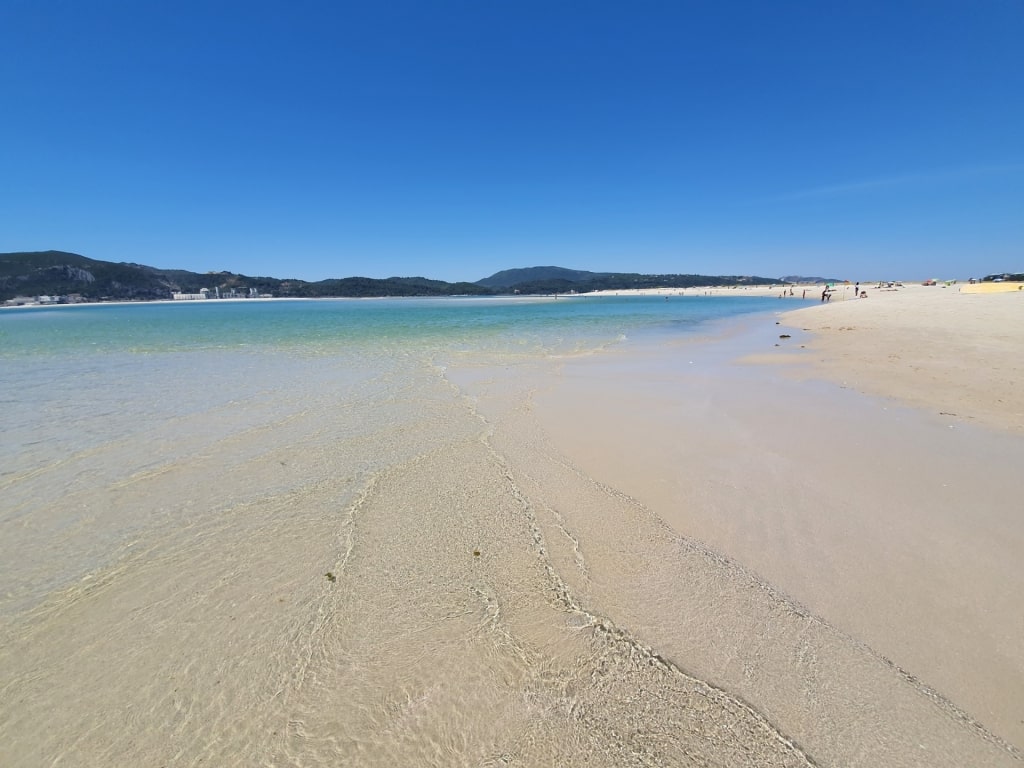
<point x="453" y="140"/>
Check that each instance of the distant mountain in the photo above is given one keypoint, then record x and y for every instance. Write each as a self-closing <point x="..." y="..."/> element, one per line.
<point x="65" y="275"/>
<point x="532" y="280"/>
<point x="59" y="273"/>
<point x="809" y="280"/>
<point x="510" y="278"/>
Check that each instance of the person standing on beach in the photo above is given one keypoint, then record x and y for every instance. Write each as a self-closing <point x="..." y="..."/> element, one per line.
<point x="824" y="294"/>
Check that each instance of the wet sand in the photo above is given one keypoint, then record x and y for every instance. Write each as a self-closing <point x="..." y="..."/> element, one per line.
<point x="889" y="519"/>
<point x="956" y="355"/>
<point x="658" y="556"/>
<point x="330" y="575"/>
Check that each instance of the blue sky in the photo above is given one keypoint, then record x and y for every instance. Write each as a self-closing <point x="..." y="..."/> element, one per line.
<point x="858" y="140"/>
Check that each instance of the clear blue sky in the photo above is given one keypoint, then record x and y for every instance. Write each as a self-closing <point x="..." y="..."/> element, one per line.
<point x="858" y="140"/>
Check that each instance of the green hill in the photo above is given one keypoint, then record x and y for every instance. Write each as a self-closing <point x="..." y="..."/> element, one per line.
<point x="59" y="273"/>
<point x="531" y="280"/>
<point x="512" y="278"/>
<point x="63" y="274"/>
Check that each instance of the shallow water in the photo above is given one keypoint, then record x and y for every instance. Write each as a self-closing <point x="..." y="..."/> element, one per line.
<point x="318" y="537"/>
<point x="122" y="418"/>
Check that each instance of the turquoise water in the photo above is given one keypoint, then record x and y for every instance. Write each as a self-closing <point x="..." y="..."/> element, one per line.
<point x="535" y="326"/>
<point x="94" y="396"/>
<point x="286" y="533"/>
<point x="321" y="533"/>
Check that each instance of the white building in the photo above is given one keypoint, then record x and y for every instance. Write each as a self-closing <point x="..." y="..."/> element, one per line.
<point x="203" y="294"/>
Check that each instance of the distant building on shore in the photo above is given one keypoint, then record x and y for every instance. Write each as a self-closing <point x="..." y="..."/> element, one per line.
<point x="231" y="293"/>
<point x="34" y="301"/>
<point x="204" y="293"/>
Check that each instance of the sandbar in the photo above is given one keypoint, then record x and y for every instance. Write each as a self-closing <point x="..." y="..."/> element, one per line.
<point x="870" y="476"/>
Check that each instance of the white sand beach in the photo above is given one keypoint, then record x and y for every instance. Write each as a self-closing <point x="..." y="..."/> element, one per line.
<point x="741" y="549"/>
<point x="870" y="475"/>
<point x="954" y="353"/>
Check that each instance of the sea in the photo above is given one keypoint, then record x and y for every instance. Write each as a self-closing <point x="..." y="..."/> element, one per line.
<point x="336" y="533"/>
<point x="189" y="399"/>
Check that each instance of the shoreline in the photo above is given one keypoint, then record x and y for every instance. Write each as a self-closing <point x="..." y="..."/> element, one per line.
<point x="264" y="299"/>
<point x="802" y="291"/>
<point x="850" y="500"/>
<point x="955" y="354"/>
<point x="666" y="549"/>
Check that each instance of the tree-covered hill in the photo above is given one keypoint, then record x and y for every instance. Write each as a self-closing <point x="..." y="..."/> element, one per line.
<point x="63" y="274"/>
<point x="561" y="280"/>
<point x="620" y="281"/>
<point x="513" y="278"/>
<point x="59" y="273"/>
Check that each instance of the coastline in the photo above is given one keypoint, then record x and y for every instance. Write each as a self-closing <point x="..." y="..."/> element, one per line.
<point x="952" y="350"/>
<point x="660" y="554"/>
<point x="812" y="290"/>
<point x="891" y="526"/>
<point x="957" y="354"/>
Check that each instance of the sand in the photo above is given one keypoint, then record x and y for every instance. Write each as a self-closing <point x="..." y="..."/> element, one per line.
<point x="672" y="554"/>
<point x="953" y="353"/>
<point x="871" y="476"/>
<point x="954" y="350"/>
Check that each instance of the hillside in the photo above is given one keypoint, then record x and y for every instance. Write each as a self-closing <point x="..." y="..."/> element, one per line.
<point x="59" y="273"/>
<point x="558" y="280"/>
<point x="71" y="276"/>
<point x="801" y="279"/>
<point x="511" y="278"/>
